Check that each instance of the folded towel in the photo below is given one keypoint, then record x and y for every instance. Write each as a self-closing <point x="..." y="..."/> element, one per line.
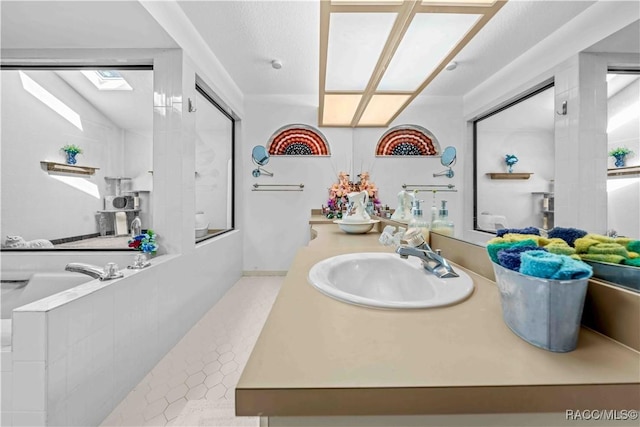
<point x="608" y="248"/>
<point x="510" y="257"/>
<point x="633" y="255"/>
<point x="519" y="237"/>
<point x="624" y="241"/>
<point x="634" y="262"/>
<point x="526" y="230"/>
<point x="560" y="248"/>
<point x="540" y="264"/>
<point x="600" y="238"/>
<point x="498" y="243"/>
<point x="572" y="269"/>
<point x="569" y="235"/>
<point x="551" y="266"/>
<point x="582" y="244"/>
<point x="633" y="246"/>
<point x="610" y="258"/>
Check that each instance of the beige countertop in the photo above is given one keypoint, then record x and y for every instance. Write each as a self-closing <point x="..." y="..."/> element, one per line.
<point x="319" y="356"/>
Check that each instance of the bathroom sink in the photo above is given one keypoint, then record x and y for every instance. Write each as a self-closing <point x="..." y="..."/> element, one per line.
<point x="387" y="281"/>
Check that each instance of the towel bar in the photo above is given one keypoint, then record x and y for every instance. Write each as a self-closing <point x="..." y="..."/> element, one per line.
<point x="278" y="187"/>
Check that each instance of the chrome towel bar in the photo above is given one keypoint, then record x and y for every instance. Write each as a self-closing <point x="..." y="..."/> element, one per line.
<point x="278" y="187"/>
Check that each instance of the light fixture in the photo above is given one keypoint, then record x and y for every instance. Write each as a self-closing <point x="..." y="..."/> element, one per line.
<point x="276" y="64"/>
<point x="376" y="56"/>
<point x="451" y="66"/>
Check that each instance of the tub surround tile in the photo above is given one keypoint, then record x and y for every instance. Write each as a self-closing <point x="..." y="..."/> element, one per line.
<point x="28" y="419"/>
<point x="28" y="386"/>
<point x="6" y="382"/>
<point x="29" y="336"/>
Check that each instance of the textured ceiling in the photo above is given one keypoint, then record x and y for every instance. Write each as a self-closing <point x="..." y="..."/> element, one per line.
<point x="247" y="35"/>
<point x="79" y="24"/>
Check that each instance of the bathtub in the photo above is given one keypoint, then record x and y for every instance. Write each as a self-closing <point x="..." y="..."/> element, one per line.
<point x="18" y="289"/>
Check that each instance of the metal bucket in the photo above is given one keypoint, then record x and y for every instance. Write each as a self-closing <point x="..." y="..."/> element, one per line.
<point x="543" y="312"/>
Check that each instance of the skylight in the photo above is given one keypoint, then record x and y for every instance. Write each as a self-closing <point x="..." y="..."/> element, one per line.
<point x="107" y="79"/>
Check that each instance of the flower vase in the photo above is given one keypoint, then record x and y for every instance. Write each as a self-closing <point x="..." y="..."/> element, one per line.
<point x="510" y="170"/>
<point x="141" y="260"/>
<point x="619" y="161"/>
<point x="71" y="158"/>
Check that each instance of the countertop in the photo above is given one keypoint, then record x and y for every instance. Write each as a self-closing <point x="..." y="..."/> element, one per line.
<point x="319" y="356"/>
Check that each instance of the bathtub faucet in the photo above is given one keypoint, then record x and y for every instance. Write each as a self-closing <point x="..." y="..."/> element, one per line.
<point x="110" y="271"/>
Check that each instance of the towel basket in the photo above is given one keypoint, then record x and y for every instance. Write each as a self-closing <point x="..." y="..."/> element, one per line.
<point x="543" y="312"/>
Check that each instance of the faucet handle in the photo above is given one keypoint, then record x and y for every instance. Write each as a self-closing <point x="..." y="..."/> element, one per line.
<point x="112" y="271"/>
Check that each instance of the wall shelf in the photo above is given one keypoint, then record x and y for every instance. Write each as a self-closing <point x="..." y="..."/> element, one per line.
<point x="630" y="170"/>
<point x="501" y="175"/>
<point x="65" y="168"/>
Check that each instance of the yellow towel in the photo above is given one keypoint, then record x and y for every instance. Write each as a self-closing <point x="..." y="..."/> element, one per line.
<point x="633" y="255"/>
<point x="560" y="248"/>
<point x="608" y="248"/>
<point x="519" y="237"/>
<point x="610" y="258"/>
<point x="582" y="244"/>
<point x="600" y="238"/>
<point x="624" y="241"/>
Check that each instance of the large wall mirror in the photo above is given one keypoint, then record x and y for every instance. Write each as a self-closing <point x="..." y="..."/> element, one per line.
<point x="514" y="163"/>
<point x="48" y="203"/>
<point x="623" y="131"/>
<point x="214" y="183"/>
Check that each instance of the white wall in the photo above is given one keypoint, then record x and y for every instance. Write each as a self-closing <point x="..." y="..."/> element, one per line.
<point x="276" y="222"/>
<point x="34" y="204"/>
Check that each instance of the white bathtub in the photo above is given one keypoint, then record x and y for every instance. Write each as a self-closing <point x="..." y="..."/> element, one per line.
<point x="18" y="289"/>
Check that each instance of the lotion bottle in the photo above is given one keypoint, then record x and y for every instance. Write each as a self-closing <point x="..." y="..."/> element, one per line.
<point x="442" y="225"/>
<point x="418" y="220"/>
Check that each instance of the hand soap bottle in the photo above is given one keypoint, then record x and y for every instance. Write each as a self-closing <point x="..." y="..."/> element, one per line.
<point x="418" y="221"/>
<point x="442" y="225"/>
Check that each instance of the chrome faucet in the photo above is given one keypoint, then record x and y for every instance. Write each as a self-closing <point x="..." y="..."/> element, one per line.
<point x="431" y="261"/>
<point x="110" y="271"/>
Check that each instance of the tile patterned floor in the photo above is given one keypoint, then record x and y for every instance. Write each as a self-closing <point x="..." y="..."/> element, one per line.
<point x="207" y="362"/>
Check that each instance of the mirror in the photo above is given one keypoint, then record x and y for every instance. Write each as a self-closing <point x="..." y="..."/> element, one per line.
<point x="48" y="203"/>
<point x="214" y="163"/>
<point x="623" y="131"/>
<point x="523" y="197"/>
<point x="260" y="157"/>
<point x="447" y="159"/>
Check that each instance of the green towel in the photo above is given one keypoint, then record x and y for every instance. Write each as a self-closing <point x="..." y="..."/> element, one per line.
<point x="499" y="243"/>
<point x="560" y="248"/>
<point x="633" y="246"/>
<point x="609" y="248"/>
<point x="582" y="244"/>
<point x="635" y="262"/>
<point x="610" y="258"/>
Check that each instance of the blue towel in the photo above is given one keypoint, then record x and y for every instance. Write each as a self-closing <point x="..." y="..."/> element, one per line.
<point x="510" y="257"/>
<point x="527" y="230"/>
<point x="569" y="235"/>
<point x="552" y="266"/>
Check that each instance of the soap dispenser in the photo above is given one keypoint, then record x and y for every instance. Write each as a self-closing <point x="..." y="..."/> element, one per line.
<point x="136" y="226"/>
<point x="442" y="225"/>
<point x="418" y="221"/>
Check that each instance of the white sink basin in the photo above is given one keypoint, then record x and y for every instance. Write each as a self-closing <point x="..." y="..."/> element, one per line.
<point x="387" y="281"/>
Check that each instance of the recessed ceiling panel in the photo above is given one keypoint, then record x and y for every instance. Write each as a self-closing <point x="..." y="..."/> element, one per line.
<point x="381" y="108"/>
<point x="459" y="2"/>
<point x="355" y="43"/>
<point x="339" y="109"/>
<point x="428" y="40"/>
